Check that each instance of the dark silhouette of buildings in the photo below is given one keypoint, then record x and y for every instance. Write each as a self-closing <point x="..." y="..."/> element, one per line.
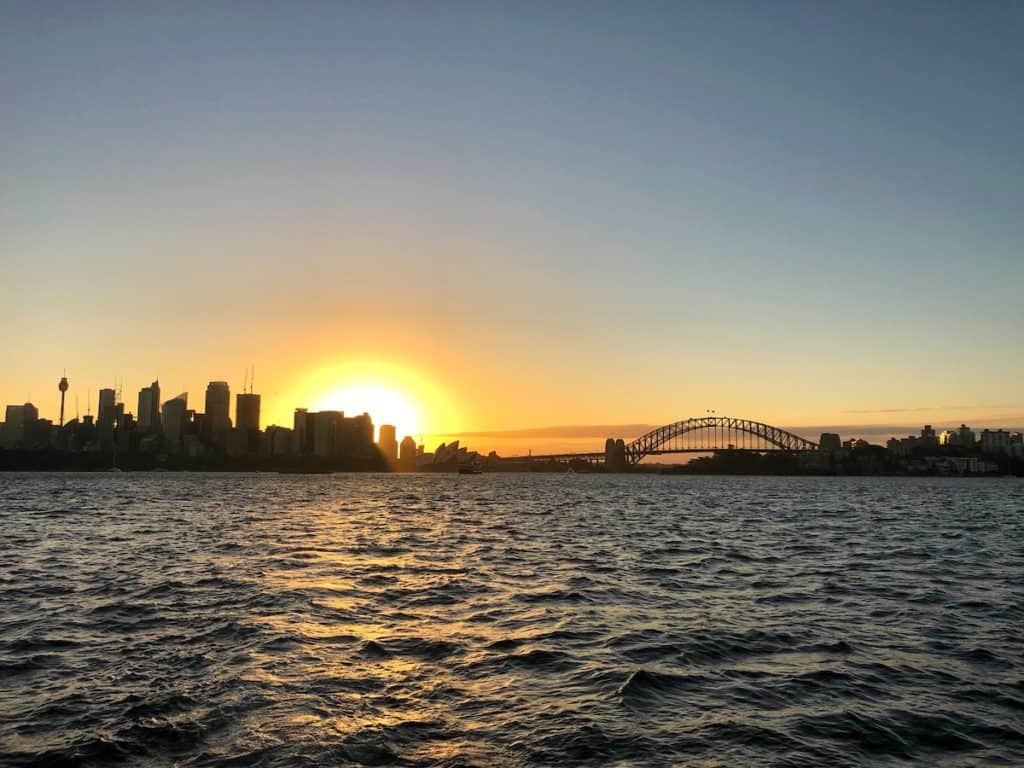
<point x="178" y="437"/>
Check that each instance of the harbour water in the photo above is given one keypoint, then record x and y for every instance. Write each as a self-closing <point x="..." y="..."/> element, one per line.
<point x="492" y="620"/>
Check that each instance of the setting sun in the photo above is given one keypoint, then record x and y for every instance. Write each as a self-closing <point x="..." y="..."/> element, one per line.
<point x="384" y="404"/>
<point x="391" y="393"/>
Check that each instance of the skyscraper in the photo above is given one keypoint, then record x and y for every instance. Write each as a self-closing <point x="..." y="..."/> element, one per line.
<point x="217" y="420"/>
<point x="355" y="437"/>
<point x="302" y="432"/>
<point x="173" y="418"/>
<point x="16" y="425"/>
<point x="326" y="430"/>
<point x="247" y="411"/>
<point x="109" y="417"/>
<point x="105" y="413"/>
<point x="408" y="450"/>
<point x="149" y="406"/>
<point x="387" y="442"/>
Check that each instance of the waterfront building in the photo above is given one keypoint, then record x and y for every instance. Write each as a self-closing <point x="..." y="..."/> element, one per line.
<point x="388" y="442"/>
<point x="928" y="437"/>
<point x="995" y="441"/>
<point x="829" y="442"/>
<point x="967" y="438"/>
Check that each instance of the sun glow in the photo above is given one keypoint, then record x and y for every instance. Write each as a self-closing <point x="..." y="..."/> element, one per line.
<point x="389" y="392"/>
<point x="384" y="404"/>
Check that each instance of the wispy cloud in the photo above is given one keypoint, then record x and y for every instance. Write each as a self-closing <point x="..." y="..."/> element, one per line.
<point x="916" y="410"/>
<point x="576" y="430"/>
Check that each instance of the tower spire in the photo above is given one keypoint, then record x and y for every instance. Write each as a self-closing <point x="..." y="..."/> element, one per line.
<point x="63" y="387"/>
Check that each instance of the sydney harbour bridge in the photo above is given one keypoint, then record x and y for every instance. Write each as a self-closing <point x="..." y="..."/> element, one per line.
<point x="705" y="434"/>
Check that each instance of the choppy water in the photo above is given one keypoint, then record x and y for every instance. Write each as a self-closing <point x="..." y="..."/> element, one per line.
<point x="211" y="620"/>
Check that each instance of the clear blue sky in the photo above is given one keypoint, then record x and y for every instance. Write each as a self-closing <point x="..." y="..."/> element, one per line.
<point x="593" y="212"/>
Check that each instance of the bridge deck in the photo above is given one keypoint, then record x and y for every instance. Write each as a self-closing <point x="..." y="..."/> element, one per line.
<point x="600" y="457"/>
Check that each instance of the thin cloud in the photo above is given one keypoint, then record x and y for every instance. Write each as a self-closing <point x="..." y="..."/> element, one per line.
<point x="915" y="410"/>
<point x="575" y="430"/>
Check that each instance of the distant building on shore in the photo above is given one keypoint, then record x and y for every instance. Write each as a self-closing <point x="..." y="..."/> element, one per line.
<point x="829" y="442"/>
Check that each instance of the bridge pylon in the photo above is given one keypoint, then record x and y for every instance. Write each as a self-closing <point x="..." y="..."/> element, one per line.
<point x="615" y="455"/>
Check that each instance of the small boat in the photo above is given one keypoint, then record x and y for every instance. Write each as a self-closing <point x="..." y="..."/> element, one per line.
<point x="470" y="469"/>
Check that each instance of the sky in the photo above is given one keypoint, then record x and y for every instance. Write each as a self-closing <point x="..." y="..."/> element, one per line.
<point x="518" y="215"/>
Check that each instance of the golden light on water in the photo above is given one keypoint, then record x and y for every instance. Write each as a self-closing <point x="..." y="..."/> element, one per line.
<point x="390" y="392"/>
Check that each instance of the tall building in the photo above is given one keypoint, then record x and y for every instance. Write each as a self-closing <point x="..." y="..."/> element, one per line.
<point x="407" y="452"/>
<point x="387" y="442"/>
<point x="302" y="433"/>
<point x="109" y="417"/>
<point x="967" y="438"/>
<point x="105" y="413"/>
<point x="355" y="437"/>
<point x="173" y="418"/>
<point x="247" y="411"/>
<point x="149" y="406"/>
<point x="326" y="429"/>
<point x="994" y="441"/>
<point x="928" y="436"/>
<point x="217" y="420"/>
<point x="18" y="423"/>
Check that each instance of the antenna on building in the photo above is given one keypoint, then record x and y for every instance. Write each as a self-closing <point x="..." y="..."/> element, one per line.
<point x="76" y="407"/>
<point x="251" y="377"/>
<point x="88" y="404"/>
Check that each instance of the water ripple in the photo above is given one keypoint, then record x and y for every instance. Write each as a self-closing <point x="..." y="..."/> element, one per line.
<point x="220" y="620"/>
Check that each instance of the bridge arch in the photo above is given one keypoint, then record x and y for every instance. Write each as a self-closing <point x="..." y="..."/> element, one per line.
<point x="719" y="433"/>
